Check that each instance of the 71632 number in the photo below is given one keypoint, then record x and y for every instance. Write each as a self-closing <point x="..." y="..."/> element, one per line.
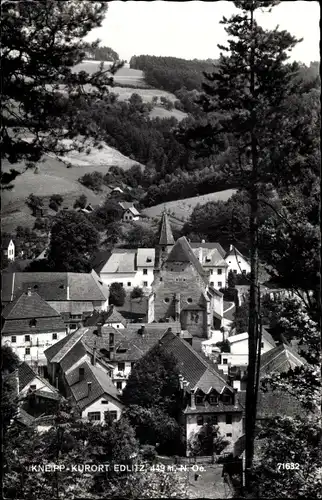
<point x="288" y="466"/>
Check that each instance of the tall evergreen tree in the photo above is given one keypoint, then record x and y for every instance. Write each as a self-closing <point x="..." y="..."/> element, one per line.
<point x="245" y="99"/>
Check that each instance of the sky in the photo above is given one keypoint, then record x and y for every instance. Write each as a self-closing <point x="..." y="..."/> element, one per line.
<point x="192" y="29"/>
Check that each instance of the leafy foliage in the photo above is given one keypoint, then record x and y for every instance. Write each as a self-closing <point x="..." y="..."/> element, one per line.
<point x="92" y="180"/>
<point x="207" y="441"/>
<point x="117" y="294"/>
<point x="73" y="241"/>
<point x="81" y="201"/>
<point x="137" y="293"/>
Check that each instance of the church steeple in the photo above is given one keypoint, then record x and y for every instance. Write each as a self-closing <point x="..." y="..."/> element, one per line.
<point x="165" y="242"/>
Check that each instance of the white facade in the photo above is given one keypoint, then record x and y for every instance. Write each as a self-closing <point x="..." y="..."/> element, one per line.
<point x="127" y="280"/>
<point x="36" y="384"/>
<point x="238" y="355"/>
<point x="103" y="404"/>
<point x="128" y="216"/>
<point x="31" y="347"/>
<point x="11" y="251"/>
<point x="217" y="276"/>
<point x="121" y="372"/>
<point x="144" y="277"/>
<point x="232" y="432"/>
<point x="237" y="263"/>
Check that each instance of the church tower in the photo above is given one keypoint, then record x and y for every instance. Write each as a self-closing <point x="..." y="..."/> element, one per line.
<point x="165" y="242"/>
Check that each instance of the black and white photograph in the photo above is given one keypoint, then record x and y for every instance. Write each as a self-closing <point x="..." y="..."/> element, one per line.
<point x="160" y="250"/>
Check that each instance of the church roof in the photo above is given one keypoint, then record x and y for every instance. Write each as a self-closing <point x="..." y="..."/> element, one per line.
<point x="166" y="236"/>
<point x="182" y="252"/>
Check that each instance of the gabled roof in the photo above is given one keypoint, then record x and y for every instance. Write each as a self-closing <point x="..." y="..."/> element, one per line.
<point x="234" y="251"/>
<point x="25" y="375"/>
<point x="56" y="352"/>
<point x="182" y="252"/>
<point x="29" y="306"/>
<point x="196" y="371"/>
<point x="5" y="242"/>
<point x="126" y="204"/>
<point x="110" y="316"/>
<point x="166" y="236"/>
<point x="101" y="384"/>
<point x="210" y="257"/>
<point x="54" y="286"/>
<point x="244" y="336"/>
<point x="210" y="246"/>
<point x="145" y="257"/>
<point x="280" y="359"/>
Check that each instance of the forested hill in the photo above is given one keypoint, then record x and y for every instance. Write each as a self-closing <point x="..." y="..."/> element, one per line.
<point x="172" y="73"/>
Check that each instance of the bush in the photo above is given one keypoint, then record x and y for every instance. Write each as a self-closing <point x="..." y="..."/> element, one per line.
<point x="81" y="201"/>
<point x="148" y="453"/>
<point x="92" y="180"/>
<point x="57" y="198"/>
<point x="53" y="205"/>
<point x="117" y="294"/>
<point x="137" y="293"/>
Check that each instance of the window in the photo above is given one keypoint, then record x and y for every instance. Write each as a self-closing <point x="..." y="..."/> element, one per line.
<point x="199" y="420"/>
<point x="220" y="284"/>
<point x="72" y="326"/>
<point x="213" y="420"/>
<point x="27" y="351"/>
<point x="213" y="399"/>
<point x="129" y="283"/>
<point x="160" y="279"/>
<point x="119" y="386"/>
<point x="117" y="326"/>
<point x="262" y="344"/>
<point x="121" y="367"/>
<point x="148" y="259"/>
<point x="27" y="338"/>
<point x="110" y="415"/>
<point x="166" y="300"/>
<point x="145" y="271"/>
<point x="33" y="322"/>
<point x="219" y="271"/>
<point x="225" y="361"/>
<point x="94" y="415"/>
<point x="54" y="336"/>
<point x="104" y="402"/>
<point x="132" y="364"/>
<point x="244" y="271"/>
<point x="225" y="398"/>
<point x="212" y="283"/>
<point x="163" y="249"/>
<point x="145" y="283"/>
<point x="229" y="419"/>
<point x="13" y="339"/>
<point x="229" y="262"/>
<point x="199" y="399"/>
<point x="189" y="299"/>
<point x="211" y="271"/>
<point x="33" y="387"/>
<point x="229" y="434"/>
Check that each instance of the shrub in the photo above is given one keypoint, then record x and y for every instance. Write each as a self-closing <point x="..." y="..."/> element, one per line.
<point x="92" y="180"/>
<point x="117" y="294"/>
<point x="137" y="293"/>
<point x="53" y="205"/>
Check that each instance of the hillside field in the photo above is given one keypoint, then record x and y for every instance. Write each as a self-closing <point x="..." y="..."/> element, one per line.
<point x="182" y="209"/>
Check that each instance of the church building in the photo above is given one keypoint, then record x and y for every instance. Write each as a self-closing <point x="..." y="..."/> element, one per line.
<point x="181" y="289"/>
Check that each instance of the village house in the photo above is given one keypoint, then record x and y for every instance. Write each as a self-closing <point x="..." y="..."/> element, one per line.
<point x="73" y="295"/>
<point x="29" y="326"/>
<point x="131" y="268"/>
<point x="8" y="248"/>
<point x="112" y="317"/>
<point x="130" y="213"/>
<point x="236" y="353"/>
<point x="207" y="395"/>
<point x="236" y="262"/>
<point x="212" y="258"/>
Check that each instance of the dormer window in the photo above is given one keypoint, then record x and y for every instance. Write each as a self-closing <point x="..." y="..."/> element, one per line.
<point x="199" y="399"/>
<point x="149" y="259"/>
<point x="189" y="300"/>
<point x="213" y="399"/>
<point x="33" y="322"/>
<point x="35" y="287"/>
<point x="208" y="259"/>
<point x="226" y="398"/>
<point x="166" y="300"/>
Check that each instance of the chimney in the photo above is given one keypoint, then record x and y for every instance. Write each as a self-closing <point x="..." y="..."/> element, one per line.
<point x="29" y="291"/>
<point x="94" y="356"/>
<point x="235" y="397"/>
<point x="67" y="292"/>
<point x="236" y="385"/>
<point x="169" y="330"/>
<point x="56" y="382"/>
<point x="89" y="387"/>
<point x="193" y="399"/>
<point x="99" y="329"/>
<point x="81" y="372"/>
<point x="141" y="331"/>
<point x="203" y="241"/>
<point x="230" y="248"/>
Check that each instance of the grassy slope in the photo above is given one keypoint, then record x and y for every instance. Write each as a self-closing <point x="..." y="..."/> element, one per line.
<point x="182" y="209"/>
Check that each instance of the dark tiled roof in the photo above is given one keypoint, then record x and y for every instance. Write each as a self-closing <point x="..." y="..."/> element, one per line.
<point x="26" y="374"/>
<point x="110" y="316"/>
<point x="29" y="306"/>
<point x="72" y="356"/>
<point x="280" y="359"/>
<point x="100" y="384"/>
<point x="273" y="404"/>
<point x="56" y="352"/>
<point x="267" y="336"/>
<point x="235" y="251"/>
<point x="25" y="418"/>
<point x="53" y="286"/>
<point x="100" y="259"/>
<point x="43" y="325"/>
<point x="194" y="369"/>
<point x="5" y="242"/>
<point x="182" y="252"/>
<point x="166" y="236"/>
<point x="48" y="395"/>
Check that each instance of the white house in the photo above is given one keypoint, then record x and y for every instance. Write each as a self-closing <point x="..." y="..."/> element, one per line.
<point x="211" y="257"/>
<point x="130" y="213"/>
<point x="131" y="268"/>
<point x="27" y="380"/>
<point x="238" y="347"/>
<point x="8" y="248"/>
<point x="31" y="325"/>
<point x="236" y="261"/>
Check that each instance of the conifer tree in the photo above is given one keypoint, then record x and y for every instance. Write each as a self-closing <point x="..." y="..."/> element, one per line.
<point x="245" y="100"/>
